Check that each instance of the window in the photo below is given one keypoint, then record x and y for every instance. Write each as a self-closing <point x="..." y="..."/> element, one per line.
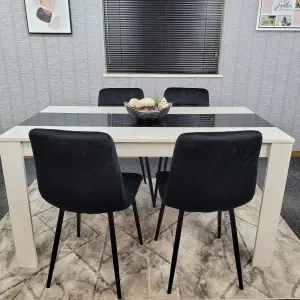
<point x="163" y="36"/>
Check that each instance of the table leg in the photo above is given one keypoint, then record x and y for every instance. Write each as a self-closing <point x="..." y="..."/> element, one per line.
<point x="18" y="202"/>
<point x="275" y="180"/>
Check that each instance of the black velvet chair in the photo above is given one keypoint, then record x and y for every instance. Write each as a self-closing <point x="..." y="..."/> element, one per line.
<point x="182" y="97"/>
<point x="187" y="96"/>
<point x="210" y="172"/>
<point x="80" y="172"/>
<point x="117" y="97"/>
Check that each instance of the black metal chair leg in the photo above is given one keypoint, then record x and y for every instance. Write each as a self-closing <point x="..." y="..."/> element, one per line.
<point x="150" y="180"/>
<point x="159" y="164"/>
<point x="236" y="248"/>
<point x="55" y="246"/>
<point x="175" y="250"/>
<point x="156" y="184"/>
<point x="143" y="169"/>
<point x="160" y="218"/>
<point x="114" y="252"/>
<point x="166" y="163"/>
<point x="78" y="224"/>
<point x="137" y="222"/>
<point x="219" y="223"/>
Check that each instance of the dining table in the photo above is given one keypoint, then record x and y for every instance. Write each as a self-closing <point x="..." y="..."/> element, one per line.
<point x="145" y="139"/>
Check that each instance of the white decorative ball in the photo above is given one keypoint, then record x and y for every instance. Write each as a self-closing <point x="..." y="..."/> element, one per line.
<point x="145" y="102"/>
<point x="163" y="103"/>
<point x="133" y="102"/>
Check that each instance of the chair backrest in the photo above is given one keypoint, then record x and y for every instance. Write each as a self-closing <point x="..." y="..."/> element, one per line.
<point x="78" y="171"/>
<point x="187" y="96"/>
<point x="117" y="96"/>
<point x="213" y="171"/>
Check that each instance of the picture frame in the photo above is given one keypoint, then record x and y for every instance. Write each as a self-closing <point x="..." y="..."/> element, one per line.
<point x="278" y="15"/>
<point x="48" y="16"/>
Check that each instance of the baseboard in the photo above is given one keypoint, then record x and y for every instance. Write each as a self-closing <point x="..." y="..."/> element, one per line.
<point x="296" y="153"/>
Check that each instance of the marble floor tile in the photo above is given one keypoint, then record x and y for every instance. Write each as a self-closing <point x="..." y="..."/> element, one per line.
<point x="38" y="206"/>
<point x="145" y="186"/>
<point x="296" y="290"/>
<point x="19" y="292"/>
<point x="50" y="216"/>
<point x="143" y="273"/>
<point x="281" y="279"/>
<point x="148" y="225"/>
<point x="205" y="263"/>
<point x="92" y="252"/>
<point x="72" y="279"/>
<point x="5" y="223"/>
<point x="69" y="234"/>
<point x="33" y="187"/>
<point x="34" y="193"/>
<point x="102" y="292"/>
<point x="205" y="266"/>
<point x="250" y="212"/>
<point x="164" y="246"/>
<point x="203" y="220"/>
<point x="38" y="226"/>
<point x="98" y="222"/>
<point x="10" y="273"/>
<point x="145" y="208"/>
<point x="249" y="292"/>
<point x="125" y="251"/>
<point x="144" y="204"/>
<point x="125" y="243"/>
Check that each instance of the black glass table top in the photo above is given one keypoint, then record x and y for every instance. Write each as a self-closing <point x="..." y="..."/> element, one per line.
<point x="125" y="120"/>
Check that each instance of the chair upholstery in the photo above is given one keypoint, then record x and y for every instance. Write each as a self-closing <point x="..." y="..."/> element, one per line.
<point x="80" y="172"/>
<point x="132" y="183"/>
<point x="211" y="171"/>
<point x="187" y="96"/>
<point x="117" y="96"/>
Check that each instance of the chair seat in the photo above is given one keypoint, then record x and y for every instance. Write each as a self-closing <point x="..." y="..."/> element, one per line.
<point x="162" y="180"/>
<point x="132" y="183"/>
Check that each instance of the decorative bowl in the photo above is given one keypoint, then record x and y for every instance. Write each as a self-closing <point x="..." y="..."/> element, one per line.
<point x="147" y="115"/>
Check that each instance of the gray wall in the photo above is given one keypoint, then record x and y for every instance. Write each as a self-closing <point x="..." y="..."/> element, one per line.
<point x="261" y="69"/>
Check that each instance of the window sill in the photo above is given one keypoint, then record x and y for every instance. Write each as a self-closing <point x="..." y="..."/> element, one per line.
<point x="145" y="75"/>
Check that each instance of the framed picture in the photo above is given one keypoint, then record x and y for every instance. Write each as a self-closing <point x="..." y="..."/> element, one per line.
<point x="48" y="16"/>
<point x="282" y="15"/>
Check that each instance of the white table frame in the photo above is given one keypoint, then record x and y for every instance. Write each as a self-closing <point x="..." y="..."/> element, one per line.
<point x="144" y="142"/>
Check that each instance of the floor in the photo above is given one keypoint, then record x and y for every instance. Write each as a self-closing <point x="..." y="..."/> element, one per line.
<point x="290" y="208"/>
<point x="206" y="266"/>
<point x="291" y="203"/>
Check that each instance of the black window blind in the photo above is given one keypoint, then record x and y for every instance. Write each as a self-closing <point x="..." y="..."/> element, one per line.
<point x="163" y="36"/>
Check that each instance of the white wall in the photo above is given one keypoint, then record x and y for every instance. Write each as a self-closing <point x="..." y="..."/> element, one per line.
<point x="261" y="69"/>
